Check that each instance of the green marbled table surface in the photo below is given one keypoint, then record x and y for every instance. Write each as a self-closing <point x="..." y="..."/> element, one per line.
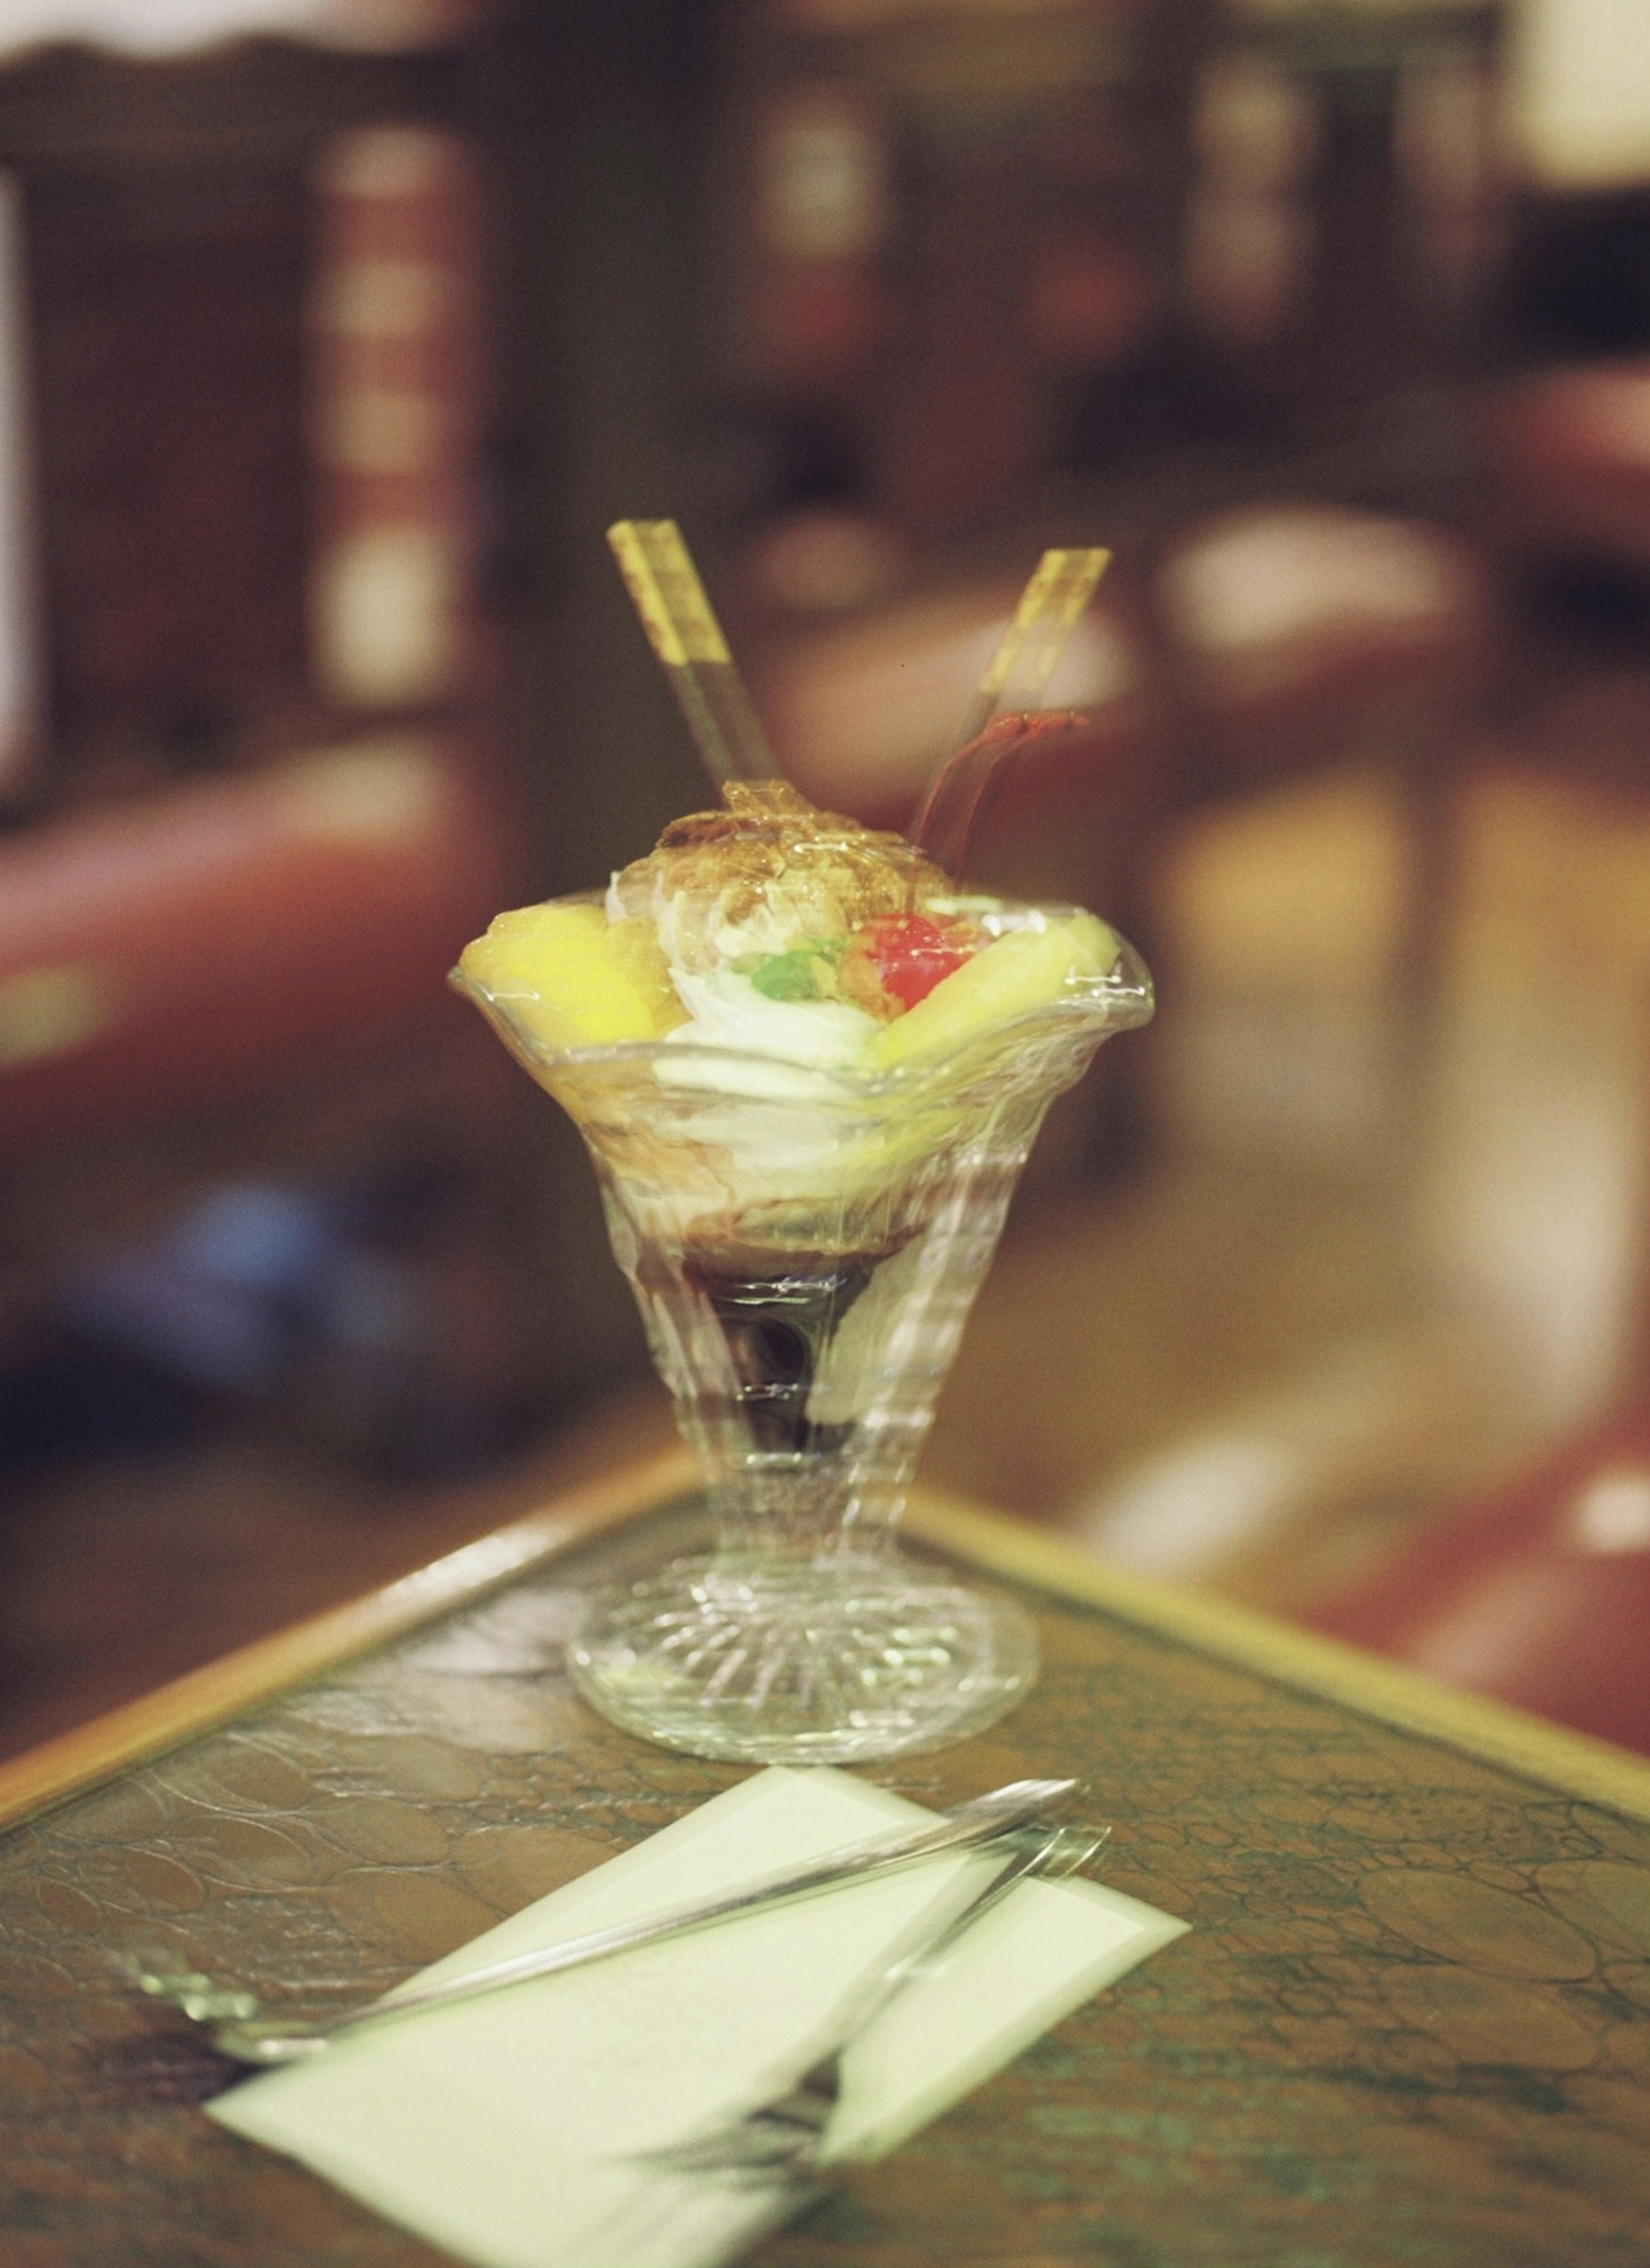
<point x="1410" y="2028"/>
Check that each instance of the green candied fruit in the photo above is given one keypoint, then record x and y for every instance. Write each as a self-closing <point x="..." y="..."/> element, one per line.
<point x="788" y="977"/>
<point x="805" y="973"/>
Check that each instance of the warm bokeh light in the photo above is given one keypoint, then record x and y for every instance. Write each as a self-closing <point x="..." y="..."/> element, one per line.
<point x="166" y="27"/>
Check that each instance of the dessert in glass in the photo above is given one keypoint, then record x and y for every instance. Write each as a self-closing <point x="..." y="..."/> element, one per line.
<point x="808" y="1068"/>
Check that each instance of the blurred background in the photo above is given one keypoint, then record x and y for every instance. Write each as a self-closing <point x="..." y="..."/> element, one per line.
<point x="332" y="334"/>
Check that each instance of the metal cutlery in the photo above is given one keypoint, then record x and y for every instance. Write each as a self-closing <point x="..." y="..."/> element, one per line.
<point x="237" y="2025"/>
<point x="719" y="2192"/>
<point x="786" y="2135"/>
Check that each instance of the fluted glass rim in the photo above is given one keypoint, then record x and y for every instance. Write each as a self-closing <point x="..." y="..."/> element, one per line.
<point x="1121" y="1000"/>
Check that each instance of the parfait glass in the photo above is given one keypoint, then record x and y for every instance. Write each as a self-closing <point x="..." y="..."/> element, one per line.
<point x="805" y="1245"/>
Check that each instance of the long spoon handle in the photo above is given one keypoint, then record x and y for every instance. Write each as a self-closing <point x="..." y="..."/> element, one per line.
<point x="1017" y="676"/>
<point x="684" y="631"/>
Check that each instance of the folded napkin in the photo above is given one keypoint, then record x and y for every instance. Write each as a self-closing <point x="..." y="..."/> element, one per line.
<point x="513" y="2129"/>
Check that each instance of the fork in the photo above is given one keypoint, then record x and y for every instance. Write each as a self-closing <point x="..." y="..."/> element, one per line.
<point x="719" y="2193"/>
<point x="235" y="2022"/>
<point x="785" y="2138"/>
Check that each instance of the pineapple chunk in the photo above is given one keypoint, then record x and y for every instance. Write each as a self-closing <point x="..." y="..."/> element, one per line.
<point x="574" y="979"/>
<point x="1015" y="974"/>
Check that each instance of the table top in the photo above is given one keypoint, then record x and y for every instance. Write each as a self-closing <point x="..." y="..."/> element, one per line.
<point x="1410" y="2027"/>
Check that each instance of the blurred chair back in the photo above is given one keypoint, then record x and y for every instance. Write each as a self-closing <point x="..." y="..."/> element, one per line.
<point x="255" y="800"/>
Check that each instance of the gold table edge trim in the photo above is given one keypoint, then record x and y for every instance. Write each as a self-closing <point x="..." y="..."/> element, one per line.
<point x="1534" y="1747"/>
<point x="990" y="1543"/>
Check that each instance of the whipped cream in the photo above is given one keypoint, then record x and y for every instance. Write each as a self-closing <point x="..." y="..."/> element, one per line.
<point x="725" y="1010"/>
<point x="764" y="1061"/>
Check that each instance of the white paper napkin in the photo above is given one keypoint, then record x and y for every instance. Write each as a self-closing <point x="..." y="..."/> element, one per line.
<point x="509" y="2130"/>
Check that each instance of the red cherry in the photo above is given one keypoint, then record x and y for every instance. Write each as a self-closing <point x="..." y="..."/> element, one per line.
<point x="911" y="955"/>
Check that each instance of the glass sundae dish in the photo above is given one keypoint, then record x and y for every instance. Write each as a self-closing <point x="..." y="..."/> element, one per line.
<point x="808" y="1070"/>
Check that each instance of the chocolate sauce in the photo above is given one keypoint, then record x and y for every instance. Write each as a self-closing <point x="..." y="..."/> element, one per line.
<point x="777" y="1311"/>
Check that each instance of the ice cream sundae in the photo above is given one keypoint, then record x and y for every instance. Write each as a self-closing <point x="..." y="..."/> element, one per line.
<point x="810" y="998"/>
<point x="807" y="1068"/>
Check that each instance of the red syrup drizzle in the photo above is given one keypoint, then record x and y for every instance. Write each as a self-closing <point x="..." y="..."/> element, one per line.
<point x="954" y="804"/>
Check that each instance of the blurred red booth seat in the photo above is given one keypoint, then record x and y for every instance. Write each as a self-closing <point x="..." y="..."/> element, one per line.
<point x="1538" y="1593"/>
<point x="215" y="934"/>
<point x="1571" y="452"/>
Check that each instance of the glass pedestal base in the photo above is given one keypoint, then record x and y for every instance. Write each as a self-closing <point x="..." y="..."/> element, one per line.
<point x="768" y="1660"/>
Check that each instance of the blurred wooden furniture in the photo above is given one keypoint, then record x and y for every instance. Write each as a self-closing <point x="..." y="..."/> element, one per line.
<point x="266" y="798"/>
<point x="175" y="445"/>
<point x="252" y="338"/>
<point x="1538" y="1589"/>
<point x="314" y="546"/>
<point x="1407" y="2017"/>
